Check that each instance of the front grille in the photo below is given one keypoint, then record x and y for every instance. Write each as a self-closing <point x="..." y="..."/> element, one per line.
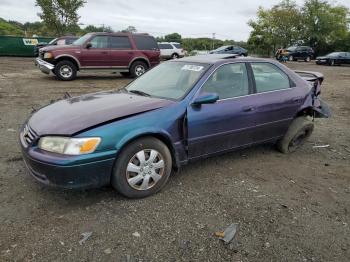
<point x="28" y="135"/>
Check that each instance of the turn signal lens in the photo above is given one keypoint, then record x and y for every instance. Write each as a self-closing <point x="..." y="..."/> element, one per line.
<point x="48" y="55"/>
<point x="90" y="145"/>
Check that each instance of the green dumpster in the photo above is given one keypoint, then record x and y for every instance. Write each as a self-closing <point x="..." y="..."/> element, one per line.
<point x="20" y="46"/>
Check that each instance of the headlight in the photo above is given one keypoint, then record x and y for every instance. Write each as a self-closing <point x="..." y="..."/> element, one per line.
<point x="48" y="55"/>
<point x="69" y="146"/>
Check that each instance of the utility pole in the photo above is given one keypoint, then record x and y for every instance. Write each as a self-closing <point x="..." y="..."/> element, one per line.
<point x="213" y="38"/>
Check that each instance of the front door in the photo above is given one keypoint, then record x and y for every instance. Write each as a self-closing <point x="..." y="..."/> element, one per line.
<point x="229" y="122"/>
<point x="97" y="55"/>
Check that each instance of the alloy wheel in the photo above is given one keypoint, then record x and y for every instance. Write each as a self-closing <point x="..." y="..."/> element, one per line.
<point x="66" y="71"/>
<point x="139" y="70"/>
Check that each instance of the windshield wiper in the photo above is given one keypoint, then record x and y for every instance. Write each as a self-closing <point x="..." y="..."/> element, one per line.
<point x="138" y="92"/>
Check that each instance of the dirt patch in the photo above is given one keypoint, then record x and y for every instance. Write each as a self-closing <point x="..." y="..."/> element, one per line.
<point x="289" y="207"/>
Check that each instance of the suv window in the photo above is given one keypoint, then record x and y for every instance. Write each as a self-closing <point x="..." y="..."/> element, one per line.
<point x="269" y="77"/>
<point x="99" y="41"/>
<point x="144" y="42"/>
<point x="178" y="46"/>
<point x="70" y="41"/>
<point x="165" y="46"/>
<point x="119" y="42"/>
<point x="228" y="81"/>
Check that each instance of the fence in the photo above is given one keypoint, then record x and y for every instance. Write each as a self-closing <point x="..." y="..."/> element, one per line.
<point x="20" y="46"/>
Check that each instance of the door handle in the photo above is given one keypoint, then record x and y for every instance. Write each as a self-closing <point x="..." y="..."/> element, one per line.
<point x="130" y="53"/>
<point x="248" y="109"/>
<point x="104" y="52"/>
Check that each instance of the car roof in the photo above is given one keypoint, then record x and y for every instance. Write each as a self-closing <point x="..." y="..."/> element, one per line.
<point x="218" y="58"/>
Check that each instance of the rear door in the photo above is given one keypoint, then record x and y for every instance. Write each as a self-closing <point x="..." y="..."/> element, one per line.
<point x="98" y="54"/>
<point x="277" y="101"/>
<point x="149" y="47"/>
<point x="166" y="50"/>
<point x="229" y="122"/>
<point x="121" y="52"/>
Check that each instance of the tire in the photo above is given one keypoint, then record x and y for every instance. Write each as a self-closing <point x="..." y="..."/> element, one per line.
<point x="65" y="70"/>
<point x="175" y="56"/>
<point x="331" y="62"/>
<point x="308" y="59"/>
<point x="298" y="132"/>
<point x="138" y="68"/>
<point x="291" y="58"/>
<point x="137" y="182"/>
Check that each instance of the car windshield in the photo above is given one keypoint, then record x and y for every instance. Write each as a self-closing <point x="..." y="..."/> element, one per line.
<point x="334" y="54"/>
<point x="52" y="41"/>
<point x="292" y="48"/>
<point x="169" y="80"/>
<point x="82" y="39"/>
<point x="221" y="48"/>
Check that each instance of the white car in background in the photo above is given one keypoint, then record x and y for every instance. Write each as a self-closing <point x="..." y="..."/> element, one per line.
<point x="171" y="50"/>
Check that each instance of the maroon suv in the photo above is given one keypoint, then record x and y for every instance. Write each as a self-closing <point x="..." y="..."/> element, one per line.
<point x="129" y="54"/>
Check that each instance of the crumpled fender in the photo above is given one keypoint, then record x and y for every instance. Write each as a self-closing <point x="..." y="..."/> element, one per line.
<point x="316" y="107"/>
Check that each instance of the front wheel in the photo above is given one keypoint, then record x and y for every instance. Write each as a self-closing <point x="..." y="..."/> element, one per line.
<point x="308" y="59"/>
<point x="142" y="168"/>
<point x="175" y="56"/>
<point x="65" y="70"/>
<point x="291" y="58"/>
<point x="331" y="62"/>
<point x="138" y="68"/>
<point x="298" y="132"/>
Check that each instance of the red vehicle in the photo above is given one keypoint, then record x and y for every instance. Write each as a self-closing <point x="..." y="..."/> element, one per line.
<point x="129" y="54"/>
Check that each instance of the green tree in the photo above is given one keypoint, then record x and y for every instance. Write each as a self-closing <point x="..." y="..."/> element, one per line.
<point x="60" y="16"/>
<point x="92" y="28"/>
<point x="129" y="29"/>
<point x="174" y="37"/>
<point x="8" y="28"/>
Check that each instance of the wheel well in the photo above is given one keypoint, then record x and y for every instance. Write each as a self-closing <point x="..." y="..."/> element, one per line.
<point x="62" y="58"/>
<point x="140" y="59"/>
<point x="160" y="137"/>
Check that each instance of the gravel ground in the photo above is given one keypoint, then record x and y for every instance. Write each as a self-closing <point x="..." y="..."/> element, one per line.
<point x="289" y="207"/>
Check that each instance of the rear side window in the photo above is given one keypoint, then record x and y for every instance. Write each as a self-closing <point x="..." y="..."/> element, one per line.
<point x="119" y="42"/>
<point x="178" y="46"/>
<point x="165" y="46"/>
<point x="144" y="42"/>
<point x="269" y="77"/>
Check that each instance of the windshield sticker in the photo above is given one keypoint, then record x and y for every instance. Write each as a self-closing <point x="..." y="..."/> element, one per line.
<point x="192" y="68"/>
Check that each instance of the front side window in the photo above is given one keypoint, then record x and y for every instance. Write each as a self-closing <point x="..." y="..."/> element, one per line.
<point x="269" y="77"/>
<point x="170" y="80"/>
<point x="120" y="42"/>
<point x="145" y="42"/>
<point x="99" y="41"/>
<point x="228" y="81"/>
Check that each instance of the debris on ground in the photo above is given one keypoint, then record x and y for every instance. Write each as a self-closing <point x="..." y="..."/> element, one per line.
<point x="228" y="234"/>
<point x="85" y="236"/>
<point x="136" y="234"/>
<point x="321" y="146"/>
<point x="11" y="130"/>
<point x="107" y="251"/>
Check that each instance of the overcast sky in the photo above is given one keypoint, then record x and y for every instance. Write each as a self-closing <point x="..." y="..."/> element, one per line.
<point x="191" y="18"/>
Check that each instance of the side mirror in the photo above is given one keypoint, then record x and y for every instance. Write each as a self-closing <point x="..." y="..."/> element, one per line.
<point x="88" y="45"/>
<point x="209" y="98"/>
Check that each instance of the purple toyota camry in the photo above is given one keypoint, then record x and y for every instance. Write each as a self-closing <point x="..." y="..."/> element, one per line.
<point x="180" y="111"/>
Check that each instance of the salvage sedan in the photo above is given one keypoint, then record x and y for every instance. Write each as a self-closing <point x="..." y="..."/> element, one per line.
<point x="335" y="58"/>
<point x="180" y="111"/>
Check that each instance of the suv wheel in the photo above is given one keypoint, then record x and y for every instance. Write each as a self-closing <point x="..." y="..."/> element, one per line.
<point x="142" y="168"/>
<point x="308" y="59"/>
<point x="291" y="58"/>
<point x="65" y="70"/>
<point x="138" y="68"/>
<point x="331" y="62"/>
<point x="175" y="56"/>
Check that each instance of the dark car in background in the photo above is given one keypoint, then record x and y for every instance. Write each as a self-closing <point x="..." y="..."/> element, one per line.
<point x="180" y="111"/>
<point x="63" y="40"/>
<point x="129" y="54"/>
<point x="335" y="58"/>
<point x="295" y="53"/>
<point x="230" y="49"/>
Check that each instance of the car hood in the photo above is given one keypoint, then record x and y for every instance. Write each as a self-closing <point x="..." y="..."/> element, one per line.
<point x="69" y="116"/>
<point x="321" y="57"/>
<point x="59" y="47"/>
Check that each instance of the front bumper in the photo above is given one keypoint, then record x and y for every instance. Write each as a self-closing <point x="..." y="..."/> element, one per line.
<point x="322" y="62"/>
<point x="44" y="66"/>
<point x="66" y="171"/>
